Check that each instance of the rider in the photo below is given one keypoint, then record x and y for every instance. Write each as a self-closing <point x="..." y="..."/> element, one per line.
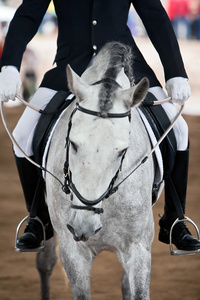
<point x="83" y="28"/>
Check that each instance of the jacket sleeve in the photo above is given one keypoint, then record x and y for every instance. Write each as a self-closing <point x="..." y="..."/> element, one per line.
<point x="162" y="36"/>
<point x="22" y="29"/>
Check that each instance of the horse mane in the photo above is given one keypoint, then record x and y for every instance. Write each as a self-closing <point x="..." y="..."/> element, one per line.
<point x="118" y="56"/>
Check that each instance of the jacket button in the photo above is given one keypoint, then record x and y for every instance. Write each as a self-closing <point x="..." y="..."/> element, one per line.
<point x="94" y="22"/>
<point x="94" y="47"/>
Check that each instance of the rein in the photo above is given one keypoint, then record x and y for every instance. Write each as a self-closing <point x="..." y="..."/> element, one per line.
<point x="68" y="184"/>
<point x="5" y="123"/>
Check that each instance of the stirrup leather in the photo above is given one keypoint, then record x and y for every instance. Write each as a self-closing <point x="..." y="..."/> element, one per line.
<point x="43" y="243"/>
<point x="178" y="251"/>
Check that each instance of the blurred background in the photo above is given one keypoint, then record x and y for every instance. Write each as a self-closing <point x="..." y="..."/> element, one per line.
<point x="176" y="278"/>
<point x="184" y="15"/>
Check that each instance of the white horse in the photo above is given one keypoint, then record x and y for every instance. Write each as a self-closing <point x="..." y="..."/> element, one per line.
<point x="105" y="140"/>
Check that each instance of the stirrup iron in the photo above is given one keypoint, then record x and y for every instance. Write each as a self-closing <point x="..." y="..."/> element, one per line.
<point x="43" y="243"/>
<point x="178" y="251"/>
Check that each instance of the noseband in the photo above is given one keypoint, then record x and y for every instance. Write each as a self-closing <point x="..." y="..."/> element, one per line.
<point x="68" y="184"/>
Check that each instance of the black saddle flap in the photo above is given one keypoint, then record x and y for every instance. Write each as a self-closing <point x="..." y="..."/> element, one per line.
<point x="159" y="123"/>
<point x="47" y="120"/>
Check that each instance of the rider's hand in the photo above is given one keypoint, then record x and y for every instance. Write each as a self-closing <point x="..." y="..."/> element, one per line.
<point x="178" y="89"/>
<point x="10" y="83"/>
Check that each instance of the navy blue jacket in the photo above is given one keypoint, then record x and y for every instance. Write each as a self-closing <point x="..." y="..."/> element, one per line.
<point x="84" y="26"/>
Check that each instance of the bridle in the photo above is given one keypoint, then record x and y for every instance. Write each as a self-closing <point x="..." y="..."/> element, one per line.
<point x="68" y="185"/>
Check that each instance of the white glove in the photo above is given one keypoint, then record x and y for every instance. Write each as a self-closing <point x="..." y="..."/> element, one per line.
<point x="10" y="83"/>
<point x="178" y="89"/>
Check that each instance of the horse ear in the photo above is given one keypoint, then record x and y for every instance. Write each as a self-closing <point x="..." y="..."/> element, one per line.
<point x="137" y="93"/>
<point x="76" y="84"/>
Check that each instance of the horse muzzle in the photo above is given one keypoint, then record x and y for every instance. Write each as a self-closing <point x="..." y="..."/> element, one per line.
<point x="80" y="237"/>
<point x="83" y="224"/>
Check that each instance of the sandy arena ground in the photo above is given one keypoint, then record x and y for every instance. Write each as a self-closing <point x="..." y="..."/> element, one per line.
<point x="176" y="278"/>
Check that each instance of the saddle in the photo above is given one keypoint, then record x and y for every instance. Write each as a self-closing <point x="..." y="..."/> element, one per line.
<point x="46" y="122"/>
<point x="155" y="115"/>
<point x="159" y="123"/>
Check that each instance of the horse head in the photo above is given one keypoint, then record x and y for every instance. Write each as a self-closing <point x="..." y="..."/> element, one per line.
<point x="97" y="142"/>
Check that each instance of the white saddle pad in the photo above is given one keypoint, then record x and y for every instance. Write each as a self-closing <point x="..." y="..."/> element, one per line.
<point x="159" y="170"/>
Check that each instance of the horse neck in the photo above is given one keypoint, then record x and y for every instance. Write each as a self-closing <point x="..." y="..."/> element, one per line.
<point x="139" y="139"/>
<point x="123" y="80"/>
<point x="99" y="71"/>
<point x="94" y="73"/>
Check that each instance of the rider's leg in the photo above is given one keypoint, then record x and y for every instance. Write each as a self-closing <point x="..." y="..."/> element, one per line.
<point x="29" y="177"/>
<point x="25" y="128"/>
<point x="180" y="128"/>
<point x="29" y="174"/>
<point x="182" y="238"/>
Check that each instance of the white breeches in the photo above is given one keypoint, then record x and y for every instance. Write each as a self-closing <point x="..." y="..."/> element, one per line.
<point x="180" y="128"/>
<point x="24" y="131"/>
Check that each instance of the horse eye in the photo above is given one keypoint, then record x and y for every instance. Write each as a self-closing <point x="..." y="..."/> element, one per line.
<point x="121" y="153"/>
<point x="74" y="146"/>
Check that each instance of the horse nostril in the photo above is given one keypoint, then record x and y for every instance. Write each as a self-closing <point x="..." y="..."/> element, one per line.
<point x="71" y="229"/>
<point x="98" y="230"/>
<point x="76" y="238"/>
<point x="83" y="238"/>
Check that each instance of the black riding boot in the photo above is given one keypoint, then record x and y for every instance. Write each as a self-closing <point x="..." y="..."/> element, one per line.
<point x="29" y="177"/>
<point x="181" y="236"/>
